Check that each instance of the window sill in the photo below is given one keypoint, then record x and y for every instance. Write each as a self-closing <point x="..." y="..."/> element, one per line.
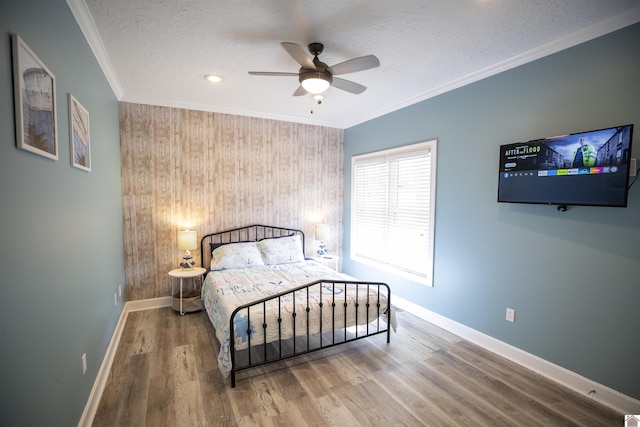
<point x="395" y="271"/>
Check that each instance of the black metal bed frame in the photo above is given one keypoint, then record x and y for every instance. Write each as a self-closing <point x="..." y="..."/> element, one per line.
<point x="304" y="342"/>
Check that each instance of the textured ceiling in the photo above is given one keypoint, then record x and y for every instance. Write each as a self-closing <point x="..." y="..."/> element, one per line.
<point x="157" y="51"/>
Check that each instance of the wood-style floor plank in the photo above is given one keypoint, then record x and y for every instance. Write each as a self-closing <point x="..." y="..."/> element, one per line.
<point x="136" y="390"/>
<point x="165" y="374"/>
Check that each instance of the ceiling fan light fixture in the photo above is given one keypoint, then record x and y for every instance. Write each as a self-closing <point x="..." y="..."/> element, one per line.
<point x="315" y="82"/>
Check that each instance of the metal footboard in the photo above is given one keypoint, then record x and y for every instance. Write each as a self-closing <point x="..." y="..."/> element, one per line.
<point x="345" y="311"/>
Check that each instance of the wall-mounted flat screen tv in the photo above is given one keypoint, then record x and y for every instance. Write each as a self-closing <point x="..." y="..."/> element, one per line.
<point x="588" y="169"/>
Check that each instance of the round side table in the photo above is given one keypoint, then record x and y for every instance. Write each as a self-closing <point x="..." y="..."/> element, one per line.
<point x="182" y="274"/>
<point x="330" y="261"/>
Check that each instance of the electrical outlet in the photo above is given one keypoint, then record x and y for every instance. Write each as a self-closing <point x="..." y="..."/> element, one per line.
<point x="511" y="315"/>
<point x="84" y="363"/>
<point x="632" y="167"/>
<point x="120" y="290"/>
<point x="115" y="299"/>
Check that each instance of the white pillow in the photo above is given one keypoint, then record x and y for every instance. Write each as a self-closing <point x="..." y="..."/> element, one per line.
<point x="236" y="255"/>
<point x="281" y="250"/>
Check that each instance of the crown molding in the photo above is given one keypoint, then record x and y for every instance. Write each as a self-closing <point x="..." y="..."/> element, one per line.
<point x="587" y="34"/>
<point x="82" y="15"/>
<point x="87" y="25"/>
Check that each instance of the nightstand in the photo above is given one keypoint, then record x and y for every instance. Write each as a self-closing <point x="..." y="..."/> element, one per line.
<point x="330" y="261"/>
<point x="187" y="302"/>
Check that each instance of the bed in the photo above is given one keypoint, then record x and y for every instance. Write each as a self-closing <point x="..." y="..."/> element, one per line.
<point x="268" y="302"/>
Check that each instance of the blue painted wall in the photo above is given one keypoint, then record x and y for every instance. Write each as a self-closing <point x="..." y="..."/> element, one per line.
<point x="62" y="255"/>
<point x="572" y="277"/>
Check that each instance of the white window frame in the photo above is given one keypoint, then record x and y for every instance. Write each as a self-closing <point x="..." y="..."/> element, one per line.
<point x="426" y="276"/>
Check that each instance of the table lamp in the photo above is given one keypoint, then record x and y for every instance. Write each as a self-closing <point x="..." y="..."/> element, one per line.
<point x="187" y="240"/>
<point x="322" y="234"/>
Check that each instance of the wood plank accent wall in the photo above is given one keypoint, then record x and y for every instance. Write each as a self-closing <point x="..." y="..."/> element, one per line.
<point x="210" y="172"/>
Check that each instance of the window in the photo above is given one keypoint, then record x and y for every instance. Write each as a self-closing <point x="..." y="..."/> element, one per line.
<point x="393" y="205"/>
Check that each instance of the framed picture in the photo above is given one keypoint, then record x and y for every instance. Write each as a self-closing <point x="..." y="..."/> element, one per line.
<point x="79" y="135"/>
<point x="35" y="102"/>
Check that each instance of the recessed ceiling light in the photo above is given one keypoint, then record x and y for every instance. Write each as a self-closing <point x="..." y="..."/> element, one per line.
<point x="213" y="78"/>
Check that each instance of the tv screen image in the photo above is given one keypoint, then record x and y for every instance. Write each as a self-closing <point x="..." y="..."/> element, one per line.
<point x="589" y="169"/>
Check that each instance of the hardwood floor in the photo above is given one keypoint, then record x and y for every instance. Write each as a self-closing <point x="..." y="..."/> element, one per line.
<point x="165" y="374"/>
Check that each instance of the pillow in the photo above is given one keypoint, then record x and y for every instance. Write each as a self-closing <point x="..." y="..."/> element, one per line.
<point x="217" y="245"/>
<point x="281" y="250"/>
<point x="236" y="255"/>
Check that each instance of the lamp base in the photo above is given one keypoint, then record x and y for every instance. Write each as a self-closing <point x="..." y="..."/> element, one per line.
<point x="322" y="249"/>
<point x="188" y="263"/>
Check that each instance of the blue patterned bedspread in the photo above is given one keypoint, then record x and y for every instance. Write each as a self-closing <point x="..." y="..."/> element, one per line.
<point x="225" y="290"/>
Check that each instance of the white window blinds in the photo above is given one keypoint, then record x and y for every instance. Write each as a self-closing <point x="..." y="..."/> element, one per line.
<point x="393" y="209"/>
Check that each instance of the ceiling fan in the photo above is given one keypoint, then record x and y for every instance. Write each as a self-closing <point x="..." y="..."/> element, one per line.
<point x="315" y="76"/>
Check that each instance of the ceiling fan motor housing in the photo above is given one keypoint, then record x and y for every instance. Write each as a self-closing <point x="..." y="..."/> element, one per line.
<point x="321" y="68"/>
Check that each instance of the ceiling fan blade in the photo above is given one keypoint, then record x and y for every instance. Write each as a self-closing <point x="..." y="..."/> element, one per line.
<point x="300" y="91"/>
<point x="356" y="64"/>
<point x="271" y="73"/>
<point x="348" y="86"/>
<point x="299" y="54"/>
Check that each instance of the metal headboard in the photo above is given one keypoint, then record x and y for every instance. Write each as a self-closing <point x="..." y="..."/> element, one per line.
<point x="250" y="233"/>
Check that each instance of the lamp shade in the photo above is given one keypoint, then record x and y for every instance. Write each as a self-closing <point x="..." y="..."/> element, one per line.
<point x="322" y="232"/>
<point x="187" y="240"/>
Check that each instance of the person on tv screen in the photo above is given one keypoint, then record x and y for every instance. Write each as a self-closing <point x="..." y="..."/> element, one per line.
<point x="585" y="155"/>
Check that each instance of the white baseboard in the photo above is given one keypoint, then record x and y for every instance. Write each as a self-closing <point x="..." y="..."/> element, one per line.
<point x="91" y="407"/>
<point x="584" y="386"/>
<point x="147" y="304"/>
